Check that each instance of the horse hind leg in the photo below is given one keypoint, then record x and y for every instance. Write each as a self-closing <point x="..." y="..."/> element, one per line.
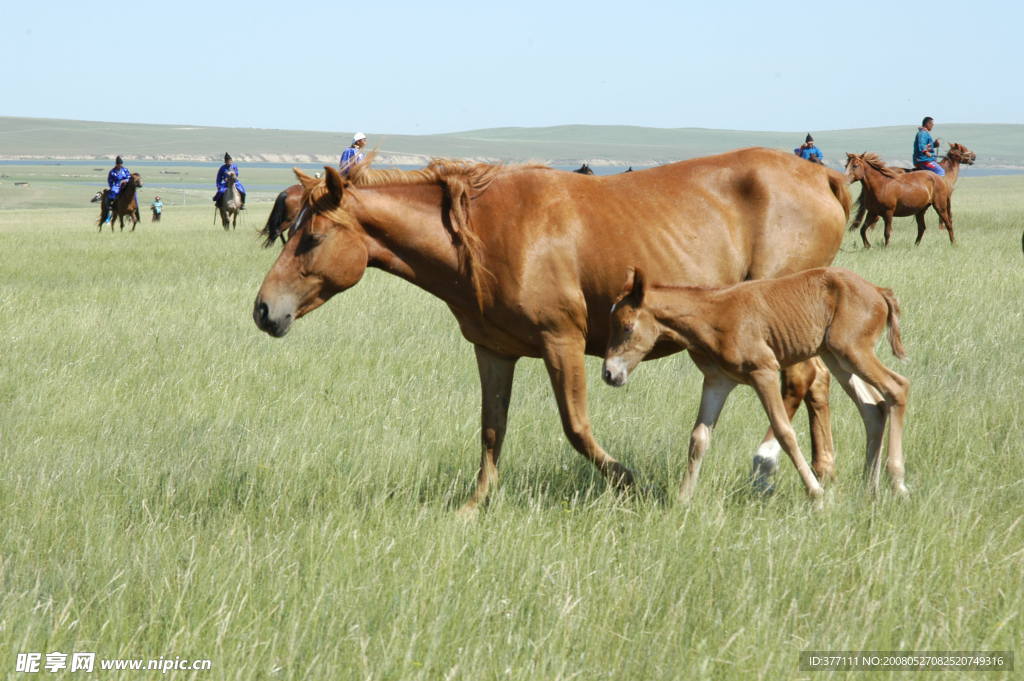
<point x="808" y="382"/>
<point x="873" y="412"/>
<point x="869" y="223"/>
<point x="921" y="226"/>
<point x="895" y="389"/>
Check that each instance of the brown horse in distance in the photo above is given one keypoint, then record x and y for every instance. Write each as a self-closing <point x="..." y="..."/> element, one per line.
<point x="529" y="260"/>
<point x="886" y="193"/>
<point x="958" y="154"/>
<point x="125" y="205"/>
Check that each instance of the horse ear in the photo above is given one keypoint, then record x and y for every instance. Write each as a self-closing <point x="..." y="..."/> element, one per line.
<point x="639" y="287"/>
<point x="305" y="180"/>
<point x="335" y="185"/>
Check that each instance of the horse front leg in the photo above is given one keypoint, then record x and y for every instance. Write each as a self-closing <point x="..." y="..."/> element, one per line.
<point x="496" y="373"/>
<point x="564" y="360"/>
<point x="806" y="382"/>
<point x="946" y="215"/>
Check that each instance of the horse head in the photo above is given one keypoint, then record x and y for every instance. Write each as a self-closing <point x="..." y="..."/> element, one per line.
<point x="958" y="153"/>
<point x="231" y="178"/>
<point x="136" y="180"/>
<point x="633" y="331"/>
<point x="327" y="255"/>
<point x="854" y="167"/>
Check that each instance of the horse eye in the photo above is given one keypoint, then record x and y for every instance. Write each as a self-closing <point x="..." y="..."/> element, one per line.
<point x="308" y="242"/>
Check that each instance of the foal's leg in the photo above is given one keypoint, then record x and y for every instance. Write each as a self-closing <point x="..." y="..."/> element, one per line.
<point x="712" y="398"/>
<point x="496" y="373"/>
<point x="807" y="381"/>
<point x="873" y="412"/>
<point x="564" y="360"/>
<point x="765" y="382"/>
<point x="895" y="389"/>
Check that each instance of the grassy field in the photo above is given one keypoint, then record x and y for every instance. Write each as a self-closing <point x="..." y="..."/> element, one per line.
<point x="175" y="483"/>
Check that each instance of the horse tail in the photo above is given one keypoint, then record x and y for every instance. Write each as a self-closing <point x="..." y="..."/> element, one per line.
<point x="839" y="186"/>
<point x="278" y="215"/>
<point x="893" y="322"/>
<point x="861" y="209"/>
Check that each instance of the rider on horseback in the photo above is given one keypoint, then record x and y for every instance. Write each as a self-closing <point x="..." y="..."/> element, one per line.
<point x="353" y="154"/>
<point x="925" y="148"/>
<point x="116" y="179"/>
<point x="222" y="180"/>
<point x="809" y="151"/>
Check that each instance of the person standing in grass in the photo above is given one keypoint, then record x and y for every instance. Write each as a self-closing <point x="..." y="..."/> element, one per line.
<point x="222" y="180"/>
<point x="157" y="207"/>
<point x="809" y="151"/>
<point x="116" y="179"/>
<point x="353" y="154"/>
<point x="926" y="149"/>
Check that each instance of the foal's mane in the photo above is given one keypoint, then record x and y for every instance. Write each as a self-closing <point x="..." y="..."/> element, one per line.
<point x="461" y="182"/>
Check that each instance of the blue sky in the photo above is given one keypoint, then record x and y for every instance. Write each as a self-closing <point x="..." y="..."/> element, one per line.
<point x="428" y="67"/>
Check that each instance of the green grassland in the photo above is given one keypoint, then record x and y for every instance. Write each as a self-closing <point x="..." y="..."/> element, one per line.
<point x="996" y="145"/>
<point x="176" y="483"/>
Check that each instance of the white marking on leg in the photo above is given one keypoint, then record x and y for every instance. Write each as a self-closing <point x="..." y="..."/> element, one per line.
<point x="766" y="462"/>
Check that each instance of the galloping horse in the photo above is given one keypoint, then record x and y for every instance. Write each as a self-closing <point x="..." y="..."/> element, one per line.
<point x="529" y="260"/>
<point x="124" y="205"/>
<point x="230" y="203"/>
<point x="887" y="193"/>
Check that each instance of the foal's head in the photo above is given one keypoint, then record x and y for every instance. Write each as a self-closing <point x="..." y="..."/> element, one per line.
<point x="633" y="331"/>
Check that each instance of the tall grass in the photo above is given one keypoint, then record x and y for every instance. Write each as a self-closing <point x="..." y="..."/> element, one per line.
<point x="175" y="483"/>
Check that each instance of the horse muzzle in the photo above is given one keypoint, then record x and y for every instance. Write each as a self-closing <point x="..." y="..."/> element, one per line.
<point x="614" y="372"/>
<point x="274" y="319"/>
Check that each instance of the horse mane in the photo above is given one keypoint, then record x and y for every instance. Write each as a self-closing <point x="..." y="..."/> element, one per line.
<point x="461" y="182"/>
<point x="876" y="162"/>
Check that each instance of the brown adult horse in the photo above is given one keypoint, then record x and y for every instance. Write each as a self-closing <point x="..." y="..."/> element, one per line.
<point x="124" y="205"/>
<point x="529" y="259"/>
<point x="230" y="203"/>
<point x="887" y="193"/>
<point x="958" y="154"/>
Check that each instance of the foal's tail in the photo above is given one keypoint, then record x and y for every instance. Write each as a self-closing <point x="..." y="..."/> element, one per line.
<point x="893" y="321"/>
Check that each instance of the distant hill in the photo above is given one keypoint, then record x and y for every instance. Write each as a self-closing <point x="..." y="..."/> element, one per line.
<point x="997" y="145"/>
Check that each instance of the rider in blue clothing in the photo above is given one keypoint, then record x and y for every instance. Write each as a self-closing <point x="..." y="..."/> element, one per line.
<point x="222" y="180"/>
<point x="116" y="178"/>
<point x="809" y="151"/>
<point x="925" y="148"/>
<point x="353" y="154"/>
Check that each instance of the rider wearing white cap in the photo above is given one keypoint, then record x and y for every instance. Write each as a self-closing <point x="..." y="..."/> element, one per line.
<point x="353" y="154"/>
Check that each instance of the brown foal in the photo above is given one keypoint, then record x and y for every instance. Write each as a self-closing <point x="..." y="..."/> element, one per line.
<point x="747" y="332"/>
